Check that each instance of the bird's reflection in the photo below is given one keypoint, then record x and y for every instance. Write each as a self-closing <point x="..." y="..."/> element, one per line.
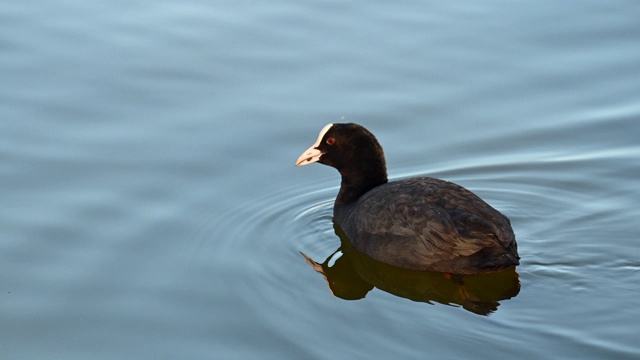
<point x="351" y="275"/>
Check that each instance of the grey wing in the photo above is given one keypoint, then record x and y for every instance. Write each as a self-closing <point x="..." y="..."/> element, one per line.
<point x="411" y="236"/>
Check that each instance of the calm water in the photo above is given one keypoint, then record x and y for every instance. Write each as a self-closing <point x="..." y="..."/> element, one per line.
<point x="150" y="208"/>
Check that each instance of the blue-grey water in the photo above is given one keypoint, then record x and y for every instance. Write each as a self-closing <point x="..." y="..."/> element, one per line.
<point x="150" y="207"/>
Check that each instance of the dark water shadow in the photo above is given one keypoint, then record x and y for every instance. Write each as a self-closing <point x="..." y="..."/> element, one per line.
<point x="352" y="274"/>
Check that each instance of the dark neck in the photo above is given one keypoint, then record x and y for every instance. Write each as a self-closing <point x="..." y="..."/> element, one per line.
<point x="358" y="181"/>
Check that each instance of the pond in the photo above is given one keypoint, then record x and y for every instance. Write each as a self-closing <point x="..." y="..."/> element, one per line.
<point x="150" y="206"/>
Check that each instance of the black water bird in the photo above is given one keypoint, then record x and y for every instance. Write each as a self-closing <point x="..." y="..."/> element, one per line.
<point x="418" y="223"/>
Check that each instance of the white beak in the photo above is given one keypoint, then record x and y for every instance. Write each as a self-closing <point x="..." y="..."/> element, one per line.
<point x="312" y="154"/>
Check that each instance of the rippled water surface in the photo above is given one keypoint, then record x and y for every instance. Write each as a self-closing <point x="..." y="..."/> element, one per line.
<point x="150" y="208"/>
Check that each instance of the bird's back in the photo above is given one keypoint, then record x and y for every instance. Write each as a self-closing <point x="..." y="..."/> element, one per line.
<point x="429" y="224"/>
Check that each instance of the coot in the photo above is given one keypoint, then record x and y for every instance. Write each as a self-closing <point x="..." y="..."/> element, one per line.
<point x="419" y="223"/>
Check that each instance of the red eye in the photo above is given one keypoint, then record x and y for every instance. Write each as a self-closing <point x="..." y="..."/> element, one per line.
<point x="331" y="141"/>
